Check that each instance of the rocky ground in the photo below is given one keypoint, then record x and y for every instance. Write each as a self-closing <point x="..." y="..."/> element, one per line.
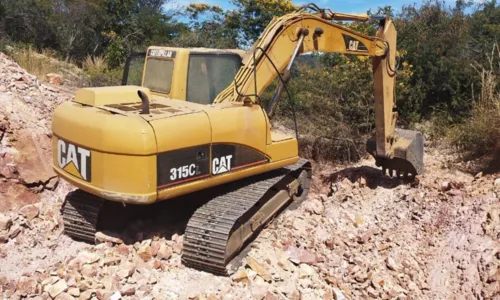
<point x="358" y="236"/>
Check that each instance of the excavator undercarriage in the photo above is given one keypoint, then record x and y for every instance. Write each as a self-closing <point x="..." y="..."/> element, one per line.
<point x="219" y="229"/>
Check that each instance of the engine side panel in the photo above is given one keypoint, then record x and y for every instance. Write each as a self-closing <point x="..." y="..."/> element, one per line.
<point x="239" y="125"/>
<point x="232" y="157"/>
<point x="183" y="165"/>
<point x="182" y="131"/>
<point x="237" y="136"/>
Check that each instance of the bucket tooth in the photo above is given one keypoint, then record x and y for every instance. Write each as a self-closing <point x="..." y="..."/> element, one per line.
<point x="408" y="150"/>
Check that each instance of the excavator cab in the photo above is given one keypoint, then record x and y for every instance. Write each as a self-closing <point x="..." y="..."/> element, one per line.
<point x="192" y="74"/>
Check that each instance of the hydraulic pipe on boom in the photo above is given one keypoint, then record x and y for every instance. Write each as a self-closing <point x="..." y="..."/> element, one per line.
<point x="279" y="89"/>
<point x="284" y="39"/>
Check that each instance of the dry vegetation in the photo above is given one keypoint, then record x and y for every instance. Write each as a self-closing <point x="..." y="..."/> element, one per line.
<point x="45" y="62"/>
<point x="480" y="134"/>
<point x="93" y="71"/>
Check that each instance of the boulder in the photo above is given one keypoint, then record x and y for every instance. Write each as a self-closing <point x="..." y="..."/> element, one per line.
<point x="27" y="285"/>
<point x="164" y="252"/>
<point x="5" y="222"/>
<point x="54" y="78"/>
<point x="144" y="252"/>
<point x="107" y="236"/>
<point x="127" y="290"/>
<point x="29" y="211"/>
<point x="57" y="288"/>
<point x="259" y="268"/>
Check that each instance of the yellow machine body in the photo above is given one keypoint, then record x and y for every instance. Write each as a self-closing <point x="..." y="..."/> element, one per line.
<point x="105" y="146"/>
<point x="203" y="114"/>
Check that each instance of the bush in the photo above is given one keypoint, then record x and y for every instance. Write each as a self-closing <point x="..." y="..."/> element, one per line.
<point x="480" y="134"/>
<point x="335" y="104"/>
<point x="116" y="53"/>
<point x="100" y="74"/>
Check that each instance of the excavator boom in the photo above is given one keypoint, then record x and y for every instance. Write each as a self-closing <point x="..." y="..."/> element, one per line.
<point x="300" y="32"/>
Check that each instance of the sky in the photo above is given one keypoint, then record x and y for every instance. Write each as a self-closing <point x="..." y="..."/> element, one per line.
<point x="345" y="6"/>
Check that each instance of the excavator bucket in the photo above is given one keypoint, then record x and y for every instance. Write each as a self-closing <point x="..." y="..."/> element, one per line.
<point x="408" y="154"/>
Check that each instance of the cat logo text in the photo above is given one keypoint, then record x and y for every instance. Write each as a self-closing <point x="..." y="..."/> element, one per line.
<point x="74" y="160"/>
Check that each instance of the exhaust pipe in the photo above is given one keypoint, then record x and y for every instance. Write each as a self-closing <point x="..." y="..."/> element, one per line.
<point x="145" y="102"/>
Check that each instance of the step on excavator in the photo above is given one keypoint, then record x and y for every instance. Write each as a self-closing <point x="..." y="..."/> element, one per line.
<point x="196" y="122"/>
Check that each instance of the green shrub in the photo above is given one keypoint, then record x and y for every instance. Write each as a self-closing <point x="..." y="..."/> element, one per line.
<point x="335" y="105"/>
<point x="116" y="54"/>
<point x="100" y="74"/>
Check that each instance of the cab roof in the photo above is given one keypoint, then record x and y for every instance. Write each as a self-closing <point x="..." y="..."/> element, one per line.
<point x="240" y="52"/>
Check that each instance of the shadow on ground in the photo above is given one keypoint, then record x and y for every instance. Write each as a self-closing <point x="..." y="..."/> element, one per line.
<point x="488" y="164"/>
<point x="493" y="166"/>
<point x="374" y="177"/>
<point x="135" y="223"/>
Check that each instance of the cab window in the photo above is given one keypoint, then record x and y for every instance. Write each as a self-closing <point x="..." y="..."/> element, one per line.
<point x="158" y="74"/>
<point x="209" y="74"/>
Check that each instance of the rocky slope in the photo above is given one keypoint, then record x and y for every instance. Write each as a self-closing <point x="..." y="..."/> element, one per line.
<point x="26" y="105"/>
<point x="358" y="236"/>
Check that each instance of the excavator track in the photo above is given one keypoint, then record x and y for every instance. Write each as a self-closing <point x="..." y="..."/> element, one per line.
<point x="216" y="231"/>
<point x="80" y="215"/>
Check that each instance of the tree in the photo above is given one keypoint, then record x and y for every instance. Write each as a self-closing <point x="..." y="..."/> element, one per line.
<point x="211" y="27"/>
<point x="485" y="24"/>
<point x="436" y="39"/>
<point x="78" y="24"/>
<point x="252" y="16"/>
<point x="29" y="21"/>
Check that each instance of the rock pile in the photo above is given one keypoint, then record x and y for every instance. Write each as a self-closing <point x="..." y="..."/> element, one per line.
<point x="41" y="223"/>
<point x="25" y="135"/>
<point x="378" y="238"/>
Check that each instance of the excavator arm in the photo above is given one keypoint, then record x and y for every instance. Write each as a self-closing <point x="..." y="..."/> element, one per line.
<point x="299" y="32"/>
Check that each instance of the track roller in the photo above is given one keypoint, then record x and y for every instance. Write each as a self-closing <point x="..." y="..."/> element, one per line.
<point x="80" y="213"/>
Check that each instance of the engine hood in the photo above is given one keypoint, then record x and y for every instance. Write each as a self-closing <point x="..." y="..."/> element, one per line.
<point x="123" y="100"/>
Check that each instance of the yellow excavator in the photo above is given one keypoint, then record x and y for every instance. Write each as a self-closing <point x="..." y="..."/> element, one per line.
<point x="196" y="122"/>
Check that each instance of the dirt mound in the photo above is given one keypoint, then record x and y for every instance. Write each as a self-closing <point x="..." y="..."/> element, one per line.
<point x="25" y="135"/>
